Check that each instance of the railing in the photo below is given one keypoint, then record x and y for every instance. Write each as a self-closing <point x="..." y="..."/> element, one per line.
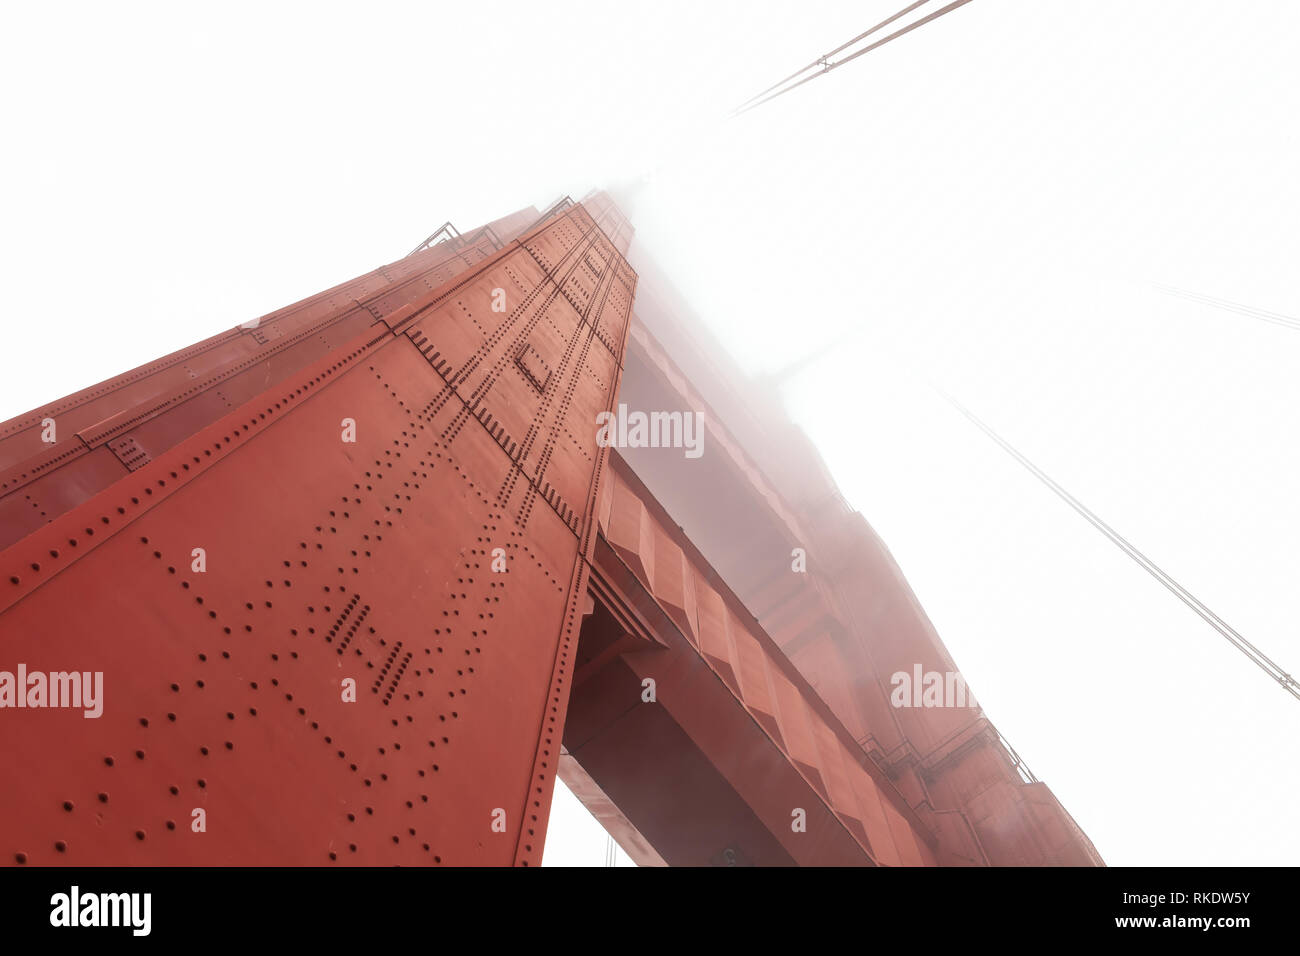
<point x="969" y="732"/>
<point x="447" y="231"/>
<point x="1021" y="767"/>
<point x="479" y="233"/>
<point x="561" y="204"/>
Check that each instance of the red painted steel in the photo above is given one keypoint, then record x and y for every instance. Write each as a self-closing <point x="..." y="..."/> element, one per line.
<point x="328" y="560"/>
<point x="109" y="429"/>
<point x="736" y="746"/>
<point x="849" y="621"/>
<point x="499" y="586"/>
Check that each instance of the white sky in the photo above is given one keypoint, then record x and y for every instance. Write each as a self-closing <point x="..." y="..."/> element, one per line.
<point x="981" y="204"/>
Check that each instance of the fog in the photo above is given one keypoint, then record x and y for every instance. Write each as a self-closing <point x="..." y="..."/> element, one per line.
<point x="987" y="205"/>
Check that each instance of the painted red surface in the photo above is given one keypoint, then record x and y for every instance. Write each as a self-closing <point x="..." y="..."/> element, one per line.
<point x="499" y="587"/>
<point x="842" y="627"/>
<point x="325" y="560"/>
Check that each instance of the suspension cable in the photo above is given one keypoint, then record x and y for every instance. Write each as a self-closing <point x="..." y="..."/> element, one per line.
<point x="1263" y="315"/>
<point x="1229" y="633"/>
<point x="827" y="67"/>
<point x="821" y="61"/>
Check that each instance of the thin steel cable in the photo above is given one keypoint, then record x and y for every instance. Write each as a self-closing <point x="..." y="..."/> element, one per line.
<point x="1229" y="633"/>
<point x="743" y="108"/>
<point x="1277" y="318"/>
<point x="821" y="61"/>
